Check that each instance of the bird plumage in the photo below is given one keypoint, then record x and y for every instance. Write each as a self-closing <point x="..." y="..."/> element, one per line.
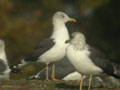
<point x="41" y="48"/>
<point x="89" y="60"/>
<point x="4" y="67"/>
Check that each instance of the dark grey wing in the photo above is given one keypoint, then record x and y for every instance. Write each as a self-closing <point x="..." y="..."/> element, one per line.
<point x="41" y="48"/>
<point x="101" y="60"/>
<point x="62" y="69"/>
<point x="3" y="67"/>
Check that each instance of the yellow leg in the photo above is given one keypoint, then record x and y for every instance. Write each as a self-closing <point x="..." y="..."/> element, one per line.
<point x="90" y="81"/>
<point x="53" y="72"/>
<point x="47" y="72"/>
<point x="81" y="82"/>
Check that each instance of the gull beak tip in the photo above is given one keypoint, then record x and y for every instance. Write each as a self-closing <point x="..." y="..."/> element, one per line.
<point x="72" y="20"/>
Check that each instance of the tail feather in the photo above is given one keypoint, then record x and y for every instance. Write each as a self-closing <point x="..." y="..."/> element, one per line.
<point x="116" y="69"/>
<point x="15" y="68"/>
<point x="113" y="69"/>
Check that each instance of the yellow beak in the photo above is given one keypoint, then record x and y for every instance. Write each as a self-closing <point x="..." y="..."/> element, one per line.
<point x="71" y="20"/>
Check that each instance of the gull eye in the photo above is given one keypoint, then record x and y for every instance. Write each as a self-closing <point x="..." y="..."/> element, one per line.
<point x="62" y="16"/>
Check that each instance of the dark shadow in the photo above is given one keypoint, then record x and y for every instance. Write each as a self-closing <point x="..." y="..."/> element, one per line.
<point x="66" y="86"/>
<point x="74" y="87"/>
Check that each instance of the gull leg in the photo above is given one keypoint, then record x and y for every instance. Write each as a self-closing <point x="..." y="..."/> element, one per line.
<point x="47" y="71"/>
<point x="53" y="72"/>
<point x="90" y="81"/>
<point x="81" y="82"/>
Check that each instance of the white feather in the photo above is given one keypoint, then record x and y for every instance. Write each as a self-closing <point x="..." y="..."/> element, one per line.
<point x="75" y="76"/>
<point x="81" y="61"/>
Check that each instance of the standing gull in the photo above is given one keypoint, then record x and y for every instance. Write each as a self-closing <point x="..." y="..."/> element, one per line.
<point x="51" y="49"/>
<point x="4" y="68"/>
<point x="89" y="60"/>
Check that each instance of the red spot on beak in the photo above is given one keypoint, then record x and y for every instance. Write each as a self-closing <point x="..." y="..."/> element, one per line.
<point x="72" y="20"/>
<point x="67" y="41"/>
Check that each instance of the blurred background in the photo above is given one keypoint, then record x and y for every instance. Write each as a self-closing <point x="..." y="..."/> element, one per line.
<point x="23" y="23"/>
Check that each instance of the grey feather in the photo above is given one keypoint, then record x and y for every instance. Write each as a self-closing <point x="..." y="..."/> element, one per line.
<point x="41" y="48"/>
<point x="3" y="66"/>
<point x="101" y="60"/>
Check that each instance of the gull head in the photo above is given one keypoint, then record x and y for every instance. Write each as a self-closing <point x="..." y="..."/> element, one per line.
<point x="78" y="41"/>
<point x="62" y="17"/>
<point x="2" y="45"/>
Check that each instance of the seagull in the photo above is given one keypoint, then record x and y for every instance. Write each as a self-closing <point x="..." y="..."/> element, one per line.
<point x="52" y="49"/>
<point x="4" y="68"/>
<point x="89" y="60"/>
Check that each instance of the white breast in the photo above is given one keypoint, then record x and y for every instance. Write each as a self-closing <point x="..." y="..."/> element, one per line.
<point x="81" y="61"/>
<point x="54" y="54"/>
